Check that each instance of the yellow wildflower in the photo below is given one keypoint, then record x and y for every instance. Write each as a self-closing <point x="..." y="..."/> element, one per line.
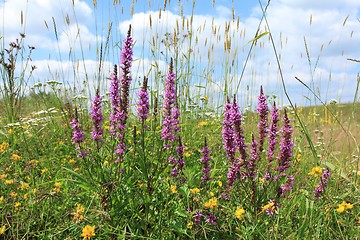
<point x="57" y="187"/>
<point x="17" y="205"/>
<point x="316" y="171"/>
<point x="88" y="232"/>
<point x="13" y="194"/>
<point x="72" y="161"/>
<point x="9" y="181"/>
<point x="15" y="157"/>
<point x="24" y="186"/>
<point x="190" y="225"/>
<point x="270" y="205"/>
<point x="261" y="180"/>
<point x="201" y="124"/>
<point x="44" y="170"/>
<point x="78" y="214"/>
<point x="173" y="189"/>
<point x="187" y="154"/>
<point x="194" y="190"/>
<point x="220" y="183"/>
<point x="212" y="194"/>
<point x="211" y="203"/>
<point x="3" y="147"/>
<point x="239" y="213"/>
<point x="2" y="176"/>
<point x="2" y="230"/>
<point x="25" y="196"/>
<point x="10" y="131"/>
<point x="344" y="206"/>
<point x="1" y="199"/>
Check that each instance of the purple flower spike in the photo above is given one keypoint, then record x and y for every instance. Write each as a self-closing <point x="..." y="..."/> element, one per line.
<point x="211" y="219"/>
<point x="205" y="161"/>
<point x="320" y="189"/>
<point x="254" y="157"/>
<point x="197" y="217"/>
<point x="262" y="110"/>
<point x="239" y="132"/>
<point x="97" y="117"/>
<point x="115" y="100"/>
<point x="228" y="132"/>
<point x="286" y="145"/>
<point x="78" y="136"/>
<point x="273" y="131"/>
<point x="125" y="66"/>
<point x="171" y="112"/>
<point x="143" y="105"/>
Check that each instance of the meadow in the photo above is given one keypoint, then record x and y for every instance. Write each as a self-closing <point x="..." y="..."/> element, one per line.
<point x="161" y="157"/>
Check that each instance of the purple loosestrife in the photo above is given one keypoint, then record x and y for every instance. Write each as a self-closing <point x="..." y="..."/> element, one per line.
<point x="239" y="132"/>
<point x="115" y="101"/>
<point x="262" y="110"/>
<point x="169" y="129"/>
<point x="273" y="131"/>
<point x="78" y="136"/>
<point x="97" y="118"/>
<point x="211" y="219"/>
<point x="286" y="145"/>
<point x="254" y="157"/>
<point x="228" y="132"/>
<point x="125" y="75"/>
<point x="206" y="171"/>
<point x="233" y="173"/>
<point x="320" y="189"/>
<point x="197" y="217"/>
<point x="121" y="113"/>
<point x="143" y="104"/>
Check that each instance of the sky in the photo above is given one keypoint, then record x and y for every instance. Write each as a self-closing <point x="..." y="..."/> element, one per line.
<point x="314" y="41"/>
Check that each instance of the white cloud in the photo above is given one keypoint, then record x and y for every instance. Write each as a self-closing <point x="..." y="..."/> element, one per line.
<point x="37" y="14"/>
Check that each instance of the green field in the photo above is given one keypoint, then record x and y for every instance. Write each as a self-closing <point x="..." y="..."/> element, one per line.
<point x="74" y="168"/>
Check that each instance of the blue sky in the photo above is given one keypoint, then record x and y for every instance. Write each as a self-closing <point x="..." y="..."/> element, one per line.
<point x="319" y="24"/>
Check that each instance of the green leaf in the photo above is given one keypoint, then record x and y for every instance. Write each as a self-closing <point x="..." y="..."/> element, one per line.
<point x="258" y="37"/>
<point x="81" y="181"/>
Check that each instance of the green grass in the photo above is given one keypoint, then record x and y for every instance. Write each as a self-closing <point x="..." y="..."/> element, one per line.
<point x="47" y="211"/>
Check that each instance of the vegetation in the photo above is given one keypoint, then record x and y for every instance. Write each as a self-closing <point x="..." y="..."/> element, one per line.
<point x="153" y="167"/>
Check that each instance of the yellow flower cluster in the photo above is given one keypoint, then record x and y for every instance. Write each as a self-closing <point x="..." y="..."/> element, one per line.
<point x="211" y="203"/>
<point x="15" y="157"/>
<point x="79" y="211"/>
<point x="88" y="232"/>
<point x="201" y="124"/>
<point x="344" y="206"/>
<point x="173" y="189"/>
<point x="194" y="190"/>
<point x="239" y="213"/>
<point x="316" y="171"/>
<point x="57" y="187"/>
<point x="270" y="205"/>
<point x="3" y="147"/>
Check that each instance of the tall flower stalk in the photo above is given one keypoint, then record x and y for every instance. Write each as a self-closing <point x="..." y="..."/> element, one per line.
<point x="171" y="112"/>
<point x="228" y="132"/>
<point x="119" y="96"/>
<point x="263" y="111"/>
<point x="78" y="135"/>
<point x="143" y="104"/>
<point x="115" y="101"/>
<point x="205" y="159"/>
<point x="97" y="118"/>
<point x="273" y="132"/>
